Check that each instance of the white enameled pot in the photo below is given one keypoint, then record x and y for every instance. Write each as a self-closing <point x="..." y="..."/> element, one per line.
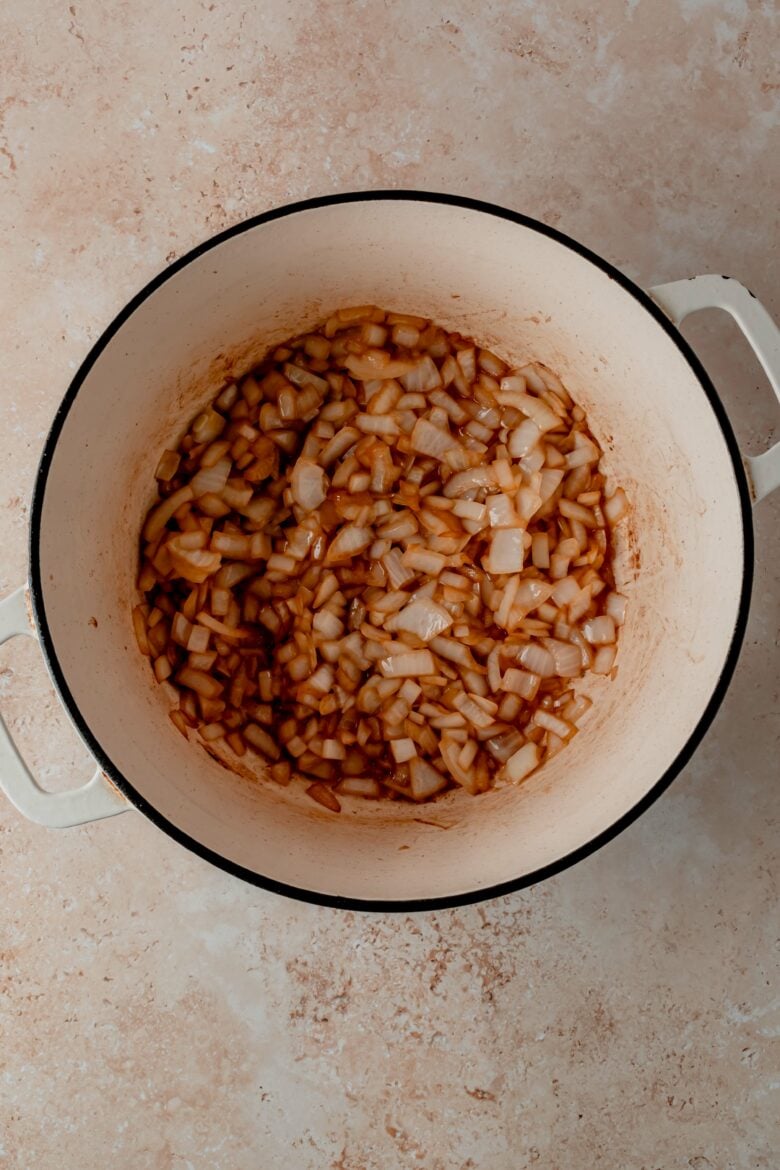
<point x="524" y="290"/>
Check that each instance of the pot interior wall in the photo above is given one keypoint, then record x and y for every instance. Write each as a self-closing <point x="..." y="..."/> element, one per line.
<point x="519" y="292"/>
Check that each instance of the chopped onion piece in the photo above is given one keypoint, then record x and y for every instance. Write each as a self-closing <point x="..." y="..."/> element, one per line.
<point x="565" y="591"/>
<point x="501" y="513"/>
<point x="360" y="786"/>
<point x="403" y="750"/>
<point x="616" y="507"/>
<point x="568" y="660"/>
<point x="198" y="641"/>
<point x="200" y="682"/>
<point x="208" y="426"/>
<point x="332" y="749"/>
<point x="324" y="796"/>
<point x="257" y="738"/>
<point x="616" y="608"/>
<point x="524" y="438"/>
<point x="470" y="708"/>
<point x="550" y="722"/>
<point x="450" y="753"/>
<point x="379" y="424"/>
<point x="522" y="763"/>
<point x="537" y="660"/>
<point x="162" y="668"/>
<point x="211" y="480"/>
<point x="228" y="544"/>
<point x="139" y="626"/>
<point x="321" y="680"/>
<point x="168" y="465"/>
<point x="424" y="618"/>
<point x="421" y="561"/>
<point x="368" y="368"/>
<point x="531" y="594"/>
<point x="470" y="510"/>
<point x="585" y="452"/>
<point x="159" y="516"/>
<point x="534" y="408"/>
<point x="327" y="624"/>
<point x="431" y="440"/>
<point x="576" y="708"/>
<point x="423" y="376"/>
<point x="424" y="780"/>
<point x="339" y="445"/>
<point x="599" y="630"/>
<point x="308" y="484"/>
<point x="195" y="565"/>
<point x="501" y="747"/>
<point x="466" y="481"/>
<point x="347" y="543"/>
<point x="540" y="550"/>
<point x="408" y="664"/>
<point x="224" y="631"/>
<point x="507" y="551"/>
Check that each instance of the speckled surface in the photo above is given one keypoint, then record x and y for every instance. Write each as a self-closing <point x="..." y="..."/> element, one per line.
<point x="156" y="1013"/>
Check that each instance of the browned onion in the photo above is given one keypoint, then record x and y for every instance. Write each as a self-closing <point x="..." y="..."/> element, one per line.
<point x="381" y="562"/>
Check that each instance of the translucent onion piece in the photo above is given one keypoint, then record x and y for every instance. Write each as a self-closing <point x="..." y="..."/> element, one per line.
<point x="425" y="780"/>
<point x="308" y="483"/>
<point x="423" y="618"/>
<point x="507" y="551"/>
<point x="522" y="763"/>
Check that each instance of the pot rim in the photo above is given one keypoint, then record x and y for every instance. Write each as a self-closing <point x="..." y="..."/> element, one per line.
<point x="343" y="902"/>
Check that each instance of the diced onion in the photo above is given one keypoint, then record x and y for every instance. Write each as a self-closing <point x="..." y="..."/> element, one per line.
<point x="168" y="465"/>
<point x="470" y="709"/>
<point x="348" y="542"/>
<point x="450" y="753"/>
<point x="421" y="561"/>
<point x="408" y="664"/>
<point x="524" y="438"/>
<point x="567" y="658"/>
<point x="159" y="516"/>
<point x="211" y="479"/>
<point x="324" y="796"/>
<point x="550" y="722"/>
<point x="537" y="660"/>
<point x="599" y="630"/>
<point x="366" y="368"/>
<point x="423" y="618"/>
<point x="520" y="682"/>
<point x="534" y="408"/>
<point x="308" y="484"/>
<point x="424" y="780"/>
<point x="616" y="608"/>
<point x="403" y="750"/>
<point x="257" y="738"/>
<point x="465" y="481"/>
<point x="431" y="440"/>
<point x="522" y="763"/>
<point x="507" y="551"/>
<point x="381" y="563"/>
<point x="200" y="682"/>
<point x="360" y="786"/>
<point x="616" y="507"/>
<point x="423" y="376"/>
<point x="195" y="565"/>
<point x="208" y="426"/>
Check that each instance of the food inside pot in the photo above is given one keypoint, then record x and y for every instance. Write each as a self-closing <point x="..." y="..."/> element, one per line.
<point x="381" y="561"/>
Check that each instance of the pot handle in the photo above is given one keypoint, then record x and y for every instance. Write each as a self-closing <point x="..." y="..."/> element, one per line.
<point x="681" y="297"/>
<point x="57" y="810"/>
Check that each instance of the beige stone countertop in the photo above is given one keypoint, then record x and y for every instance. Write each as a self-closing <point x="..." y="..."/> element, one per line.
<point x="157" y="1013"/>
